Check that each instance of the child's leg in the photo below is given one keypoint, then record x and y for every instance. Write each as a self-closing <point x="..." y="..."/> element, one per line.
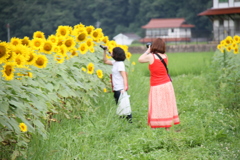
<point x="116" y="96"/>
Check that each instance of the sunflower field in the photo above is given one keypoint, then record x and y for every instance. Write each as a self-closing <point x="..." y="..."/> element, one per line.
<point x="44" y="76"/>
<point x="226" y="68"/>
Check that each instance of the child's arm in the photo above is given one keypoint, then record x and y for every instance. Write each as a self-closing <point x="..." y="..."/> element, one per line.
<point x="105" y="60"/>
<point x="125" y="80"/>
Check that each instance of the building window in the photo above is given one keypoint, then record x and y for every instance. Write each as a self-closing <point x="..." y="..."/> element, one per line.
<point x="172" y="30"/>
<point x="222" y="1"/>
<point x="237" y="25"/>
<point x="221" y="22"/>
<point x="236" y="0"/>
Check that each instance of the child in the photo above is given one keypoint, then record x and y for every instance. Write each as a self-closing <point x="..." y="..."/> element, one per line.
<point x="119" y="76"/>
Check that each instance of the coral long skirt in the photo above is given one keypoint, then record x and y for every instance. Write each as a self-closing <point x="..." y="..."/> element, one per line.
<point x="162" y="108"/>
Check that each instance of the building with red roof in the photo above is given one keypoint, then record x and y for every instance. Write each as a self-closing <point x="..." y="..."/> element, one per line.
<point x="225" y="15"/>
<point x="169" y="29"/>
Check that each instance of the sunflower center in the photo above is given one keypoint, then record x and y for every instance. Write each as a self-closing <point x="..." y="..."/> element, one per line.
<point x="81" y="37"/>
<point x="40" y="61"/>
<point x="90" y="68"/>
<point x="2" y="51"/>
<point x="63" y="32"/>
<point x="68" y="43"/>
<point x="37" y="44"/>
<point x="30" y="58"/>
<point x="8" y="70"/>
<point x="95" y="34"/>
<point x="82" y="48"/>
<point x="18" y="60"/>
<point x="74" y="53"/>
<point x="47" y="47"/>
<point x="89" y="43"/>
<point x="25" y="42"/>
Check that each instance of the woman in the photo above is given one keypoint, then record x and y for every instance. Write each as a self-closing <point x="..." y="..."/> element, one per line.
<point x="162" y="108"/>
<point x="119" y="76"/>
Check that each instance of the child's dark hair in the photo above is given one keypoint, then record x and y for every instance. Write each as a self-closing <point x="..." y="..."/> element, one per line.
<point x="118" y="54"/>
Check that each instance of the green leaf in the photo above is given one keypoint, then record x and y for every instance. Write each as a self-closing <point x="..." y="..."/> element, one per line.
<point x="63" y="93"/>
<point x="4" y="107"/>
<point x="49" y="87"/>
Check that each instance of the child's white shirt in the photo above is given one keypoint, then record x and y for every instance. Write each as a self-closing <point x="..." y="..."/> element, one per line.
<point x="117" y="78"/>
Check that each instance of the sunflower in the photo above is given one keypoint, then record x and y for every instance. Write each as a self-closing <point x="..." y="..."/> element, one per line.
<point x="92" y="50"/>
<point x="83" y="48"/>
<point x="59" y="58"/>
<point x="81" y="37"/>
<point x="90" y="68"/>
<point x="53" y="39"/>
<point x="8" y="71"/>
<point x="97" y="34"/>
<point x="4" y="50"/>
<point x="99" y="73"/>
<point x="29" y="74"/>
<point x="236" y="38"/>
<point x="47" y="47"/>
<point x="235" y="50"/>
<point x="112" y="43"/>
<point x="20" y="60"/>
<point x="41" y="61"/>
<point x="15" y="41"/>
<point x="39" y="34"/>
<point x="234" y="44"/>
<point x="89" y="29"/>
<point x="23" y="127"/>
<point x="18" y="50"/>
<point x="105" y="90"/>
<point x="229" y="48"/>
<point x="63" y="50"/>
<point x="89" y="42"/>
<point x="84" y="69"/>
<point x="222" y="43"/>
<point x="124" y="47"/>
<point x="25" y="41"/>
<point x="128" y="55"/>
<point x="31" y="59"/>
<point x="11" y="56"/>
<point x="63" y="31"/>
<point x="60" y="41"/>
<point x="80" y="25"/>
<point x="73" y="52"/>
<point x="219" y="46"/>
<point x="228" y="40"/>
<point x="36" y="43"/>
<point x="69" y="42"/>
<point x="105" y="39"/>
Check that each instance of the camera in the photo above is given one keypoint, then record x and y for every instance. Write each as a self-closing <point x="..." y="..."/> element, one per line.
<point x="148" y="44"/>
<point x="103" y="47"/>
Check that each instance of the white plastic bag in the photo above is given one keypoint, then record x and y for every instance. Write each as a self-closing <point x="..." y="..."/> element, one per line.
<point x="124" y="107"/>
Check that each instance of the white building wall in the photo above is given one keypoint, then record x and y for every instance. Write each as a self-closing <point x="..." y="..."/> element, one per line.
<point x="122" y="39"/>
<point x="177" y="33"/>
<point x="230" y="3"/>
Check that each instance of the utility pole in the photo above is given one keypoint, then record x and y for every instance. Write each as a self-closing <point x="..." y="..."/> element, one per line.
<point x="8" y="32"/>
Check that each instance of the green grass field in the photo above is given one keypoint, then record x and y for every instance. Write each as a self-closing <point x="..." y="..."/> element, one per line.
<point x="208" y="131"/>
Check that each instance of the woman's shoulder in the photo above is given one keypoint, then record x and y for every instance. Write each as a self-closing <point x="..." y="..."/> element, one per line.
<point x="160" y="54"/>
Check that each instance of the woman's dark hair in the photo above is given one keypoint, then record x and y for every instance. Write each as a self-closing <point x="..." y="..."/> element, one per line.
<point x="158" y="46"/>
<point x="118" y="54"/>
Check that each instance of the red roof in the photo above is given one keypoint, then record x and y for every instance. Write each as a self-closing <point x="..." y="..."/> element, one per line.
<point x="220" y="11"/>
<point x="167" y="23"/>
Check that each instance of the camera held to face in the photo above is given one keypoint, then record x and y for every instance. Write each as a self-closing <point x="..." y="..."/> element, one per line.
<point x="148" y="44"/>
<point x="103" y="47"/>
